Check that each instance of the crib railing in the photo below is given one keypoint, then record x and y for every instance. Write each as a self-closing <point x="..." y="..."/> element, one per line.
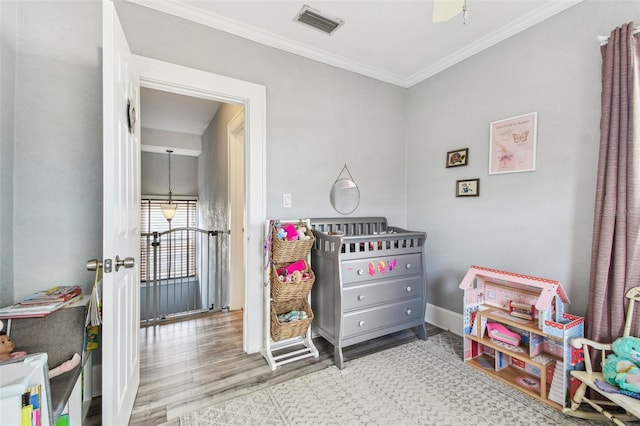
<point x="355" y="238"/>
<point x="183" y="272"/>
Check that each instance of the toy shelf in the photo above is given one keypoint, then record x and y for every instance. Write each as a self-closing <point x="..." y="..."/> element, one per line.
<point x="295" y="342"/>
<point x="510" y="376"/>
<point x="515" y="330"/>
<point x="498" y="315"/>
<point x="501" y="358"/>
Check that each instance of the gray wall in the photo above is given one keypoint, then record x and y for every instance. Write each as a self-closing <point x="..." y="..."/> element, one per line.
<point x="8" y="17"/>
<point x="318" y="117"/>
<point x="154" y="174"/>
<point x="57" y="152"/>
<point x="537" y="223"/>
<point x="213" y="166"/>
<point x="213" y="184"/>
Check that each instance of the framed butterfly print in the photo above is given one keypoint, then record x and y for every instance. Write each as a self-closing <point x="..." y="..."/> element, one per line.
<point x="513" y="144"/>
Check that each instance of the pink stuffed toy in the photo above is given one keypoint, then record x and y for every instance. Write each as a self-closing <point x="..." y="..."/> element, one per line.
<point x="290" y="229"/>
<point x="300" y="265"/>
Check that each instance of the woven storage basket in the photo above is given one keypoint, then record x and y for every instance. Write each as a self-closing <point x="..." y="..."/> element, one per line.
<point x="281" y="291"/>
<point x="287" y="330"/>
<point x="283" y="251"/>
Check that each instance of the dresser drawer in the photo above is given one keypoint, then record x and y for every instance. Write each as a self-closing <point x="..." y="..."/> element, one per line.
<point x="360" y="296"/>
<point x="382" y="267"/>
<point x="368" y="320"/>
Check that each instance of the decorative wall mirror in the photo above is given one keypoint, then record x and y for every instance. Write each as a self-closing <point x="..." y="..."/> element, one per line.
<point x="345" y="195"/>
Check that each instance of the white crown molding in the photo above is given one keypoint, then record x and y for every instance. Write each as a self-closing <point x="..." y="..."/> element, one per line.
<point x="234" y="27"/>
<point x="194" y="14"/>
<point x="517" y="26"/>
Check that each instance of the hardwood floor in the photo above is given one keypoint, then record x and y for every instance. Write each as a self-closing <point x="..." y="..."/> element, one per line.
<point x="193" y="363"/>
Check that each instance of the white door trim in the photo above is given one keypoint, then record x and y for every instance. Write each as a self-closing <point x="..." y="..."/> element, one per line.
<point x="174" y="78"/>
<point x="236" y="189"/>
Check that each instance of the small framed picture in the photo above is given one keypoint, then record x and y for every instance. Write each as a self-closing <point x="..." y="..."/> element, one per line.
<point x="468" y="188"/>
<point x="459" y="157"/>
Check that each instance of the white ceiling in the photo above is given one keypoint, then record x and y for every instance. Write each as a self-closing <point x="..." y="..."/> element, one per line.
<point x="392" y="41"/>
<point x="175" y="113"/>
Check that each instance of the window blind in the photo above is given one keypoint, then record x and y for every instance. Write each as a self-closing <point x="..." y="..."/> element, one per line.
<point x="177" y="250"/>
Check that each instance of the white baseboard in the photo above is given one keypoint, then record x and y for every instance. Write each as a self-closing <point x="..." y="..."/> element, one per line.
<point x="444" y="318"/>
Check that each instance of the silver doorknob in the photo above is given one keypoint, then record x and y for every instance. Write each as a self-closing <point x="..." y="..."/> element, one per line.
<point x="93" y="265"/>
<point x="127" y="262"/>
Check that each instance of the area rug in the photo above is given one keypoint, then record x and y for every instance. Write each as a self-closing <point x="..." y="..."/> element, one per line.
<point x="417" y="383"/>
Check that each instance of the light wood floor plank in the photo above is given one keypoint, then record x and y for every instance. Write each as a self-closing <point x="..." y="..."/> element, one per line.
<point x="195" y="362"/>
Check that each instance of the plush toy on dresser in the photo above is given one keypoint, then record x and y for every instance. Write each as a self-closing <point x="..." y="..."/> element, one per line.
<point x="622" y="367"/>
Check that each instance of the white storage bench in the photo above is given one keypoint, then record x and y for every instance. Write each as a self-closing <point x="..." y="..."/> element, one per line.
<point x="370" y="280"/>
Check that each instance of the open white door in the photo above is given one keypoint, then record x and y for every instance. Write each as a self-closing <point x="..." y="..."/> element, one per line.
<point x="121" y="232"/>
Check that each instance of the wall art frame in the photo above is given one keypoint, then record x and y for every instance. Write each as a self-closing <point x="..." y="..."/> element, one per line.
<point x="458" y="157"/>
<point x="512" y="144"/>
<point x="468" y="188"/>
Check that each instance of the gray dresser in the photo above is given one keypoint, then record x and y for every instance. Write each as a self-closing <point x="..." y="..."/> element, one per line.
<point x="370" y="280"/>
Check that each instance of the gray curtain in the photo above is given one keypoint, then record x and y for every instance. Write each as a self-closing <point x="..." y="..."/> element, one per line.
<point x="615" y="258"/>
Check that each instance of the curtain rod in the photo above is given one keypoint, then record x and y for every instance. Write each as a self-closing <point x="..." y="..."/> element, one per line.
<point x="605" y="39"/>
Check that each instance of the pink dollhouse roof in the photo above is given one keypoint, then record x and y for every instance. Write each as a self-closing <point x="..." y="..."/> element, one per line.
<point x="549" y="288"/>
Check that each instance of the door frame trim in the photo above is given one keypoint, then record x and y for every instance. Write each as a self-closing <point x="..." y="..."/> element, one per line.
<point x="159" y="75"/>
<point x="234" y="126"/>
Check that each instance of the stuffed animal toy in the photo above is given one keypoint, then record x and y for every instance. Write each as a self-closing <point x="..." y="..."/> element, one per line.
<point x="622" y="367"/>
<point x="299" y="265"/>
<point x="302" y="233"/>
<point x="290" y="229"/>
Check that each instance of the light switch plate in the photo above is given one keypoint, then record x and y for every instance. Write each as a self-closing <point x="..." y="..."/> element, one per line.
<point x="286" y="200"/>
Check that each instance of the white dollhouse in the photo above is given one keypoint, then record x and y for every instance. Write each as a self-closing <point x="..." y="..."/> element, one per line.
<point x="516" y="330"/>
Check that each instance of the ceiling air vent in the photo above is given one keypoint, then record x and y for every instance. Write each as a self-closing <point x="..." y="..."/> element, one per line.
<point x="317" y="20"/>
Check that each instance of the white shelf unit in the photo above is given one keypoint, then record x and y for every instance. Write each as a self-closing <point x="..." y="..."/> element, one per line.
<point x="15" y="378"/>
<point x="288" y="350"/>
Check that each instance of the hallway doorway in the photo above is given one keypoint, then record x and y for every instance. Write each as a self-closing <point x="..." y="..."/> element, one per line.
<point x="173" y="78"/>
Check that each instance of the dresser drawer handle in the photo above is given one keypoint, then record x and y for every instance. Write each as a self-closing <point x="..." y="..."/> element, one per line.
<point x="408" y="266"/>
<point x="408" y="311"/>
<point x="361" y="297"/>
<point x="361" y="324"/>
<point x="408" y="289"/>
<point x="360" y="271"/>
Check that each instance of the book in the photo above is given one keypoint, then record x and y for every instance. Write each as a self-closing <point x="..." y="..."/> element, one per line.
<point x="34" y="311"/>
<point x="53" y="294"/>
<point x="34" y="391"/>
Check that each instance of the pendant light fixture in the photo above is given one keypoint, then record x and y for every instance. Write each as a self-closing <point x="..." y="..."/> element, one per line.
<point x="169" y="209"/>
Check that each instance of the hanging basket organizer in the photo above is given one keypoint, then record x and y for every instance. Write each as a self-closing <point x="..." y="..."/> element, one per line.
<point x="283" y="251"/>
<point x="287" y="330"/>
<point x="283" y="291"/>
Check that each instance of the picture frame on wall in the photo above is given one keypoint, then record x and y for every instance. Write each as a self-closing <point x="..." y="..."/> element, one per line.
<point x="459" y="157"/>
<point x="468" y="188"/>
<point x="512" y="144"/>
